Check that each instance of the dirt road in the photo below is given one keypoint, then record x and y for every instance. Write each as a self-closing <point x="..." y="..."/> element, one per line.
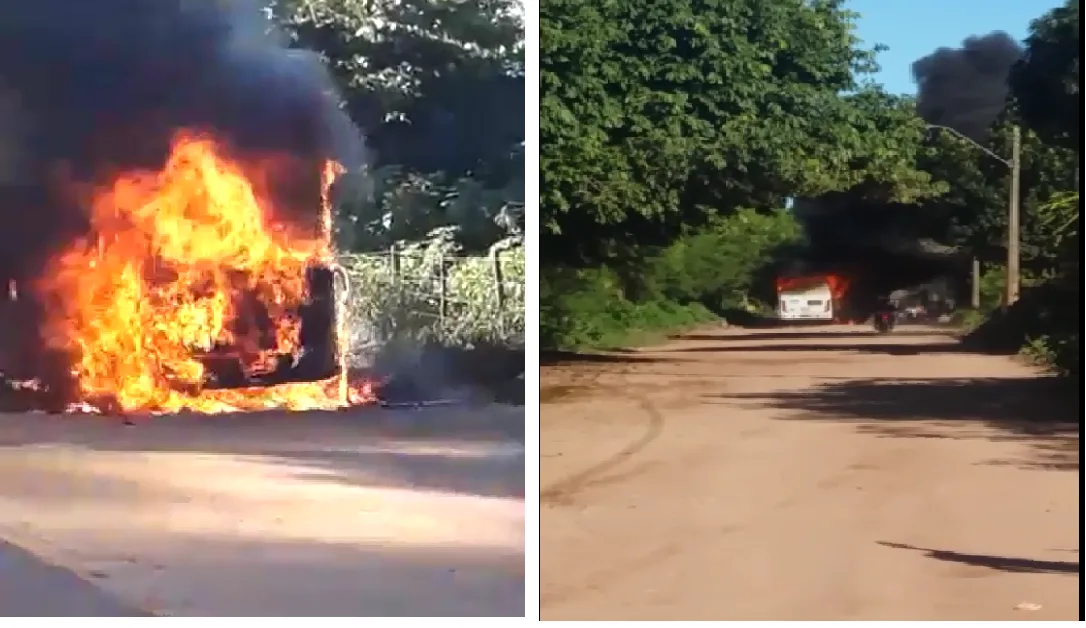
<point x="366" y="513"/>
<point x="805" y="474"/>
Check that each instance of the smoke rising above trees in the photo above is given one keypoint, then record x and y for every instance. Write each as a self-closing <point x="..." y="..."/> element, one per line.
<point x="966" y="88"/>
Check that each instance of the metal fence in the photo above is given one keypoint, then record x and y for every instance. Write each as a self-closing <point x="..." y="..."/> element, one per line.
<point x="422" y="295"/>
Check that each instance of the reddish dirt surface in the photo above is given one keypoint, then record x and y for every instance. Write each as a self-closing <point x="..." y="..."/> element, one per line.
<point x="807" y="474"/>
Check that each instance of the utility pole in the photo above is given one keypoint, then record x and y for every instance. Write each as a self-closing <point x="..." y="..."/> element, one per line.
<point x="1013" y="224"/>
<point x="1013" y="280"/>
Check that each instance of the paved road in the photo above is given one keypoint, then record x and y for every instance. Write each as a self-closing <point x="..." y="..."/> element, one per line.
<point x="807" y="474"/>
<point x="30" y="587"/>
<point x="366" y="514"/>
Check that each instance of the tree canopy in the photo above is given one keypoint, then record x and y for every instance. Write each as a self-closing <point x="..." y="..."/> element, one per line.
<point x="665" y="129"/>
<point x="1046" y="84"/>
<point x="437" y="90"/>
<point x="657" y="114"/>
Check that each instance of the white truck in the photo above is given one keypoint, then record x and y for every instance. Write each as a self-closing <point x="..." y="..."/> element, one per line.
<point x="812" y="302"/>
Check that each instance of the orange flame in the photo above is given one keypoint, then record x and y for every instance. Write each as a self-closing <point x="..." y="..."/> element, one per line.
<point x="183" y="261"/>
<point x="331" y="171"/>
<point x="838" y="284"/>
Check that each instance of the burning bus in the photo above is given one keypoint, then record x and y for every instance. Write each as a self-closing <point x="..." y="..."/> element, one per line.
<point x="184" y="293"/>
<point x="164" y="177"/>
<point x="811" y="298"/>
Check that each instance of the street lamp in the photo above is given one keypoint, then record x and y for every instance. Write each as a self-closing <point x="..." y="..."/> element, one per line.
<point x="1013" y="226"/>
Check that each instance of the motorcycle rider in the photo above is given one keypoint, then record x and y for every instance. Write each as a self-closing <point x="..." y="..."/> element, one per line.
<point x="884" y="313"/>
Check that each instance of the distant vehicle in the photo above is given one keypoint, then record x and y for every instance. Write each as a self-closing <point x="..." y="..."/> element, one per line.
<point x="811" y="302"/>
<point x="915" y="312"/>
<point x="885" y="321"/>
<point x="885" y="316"/>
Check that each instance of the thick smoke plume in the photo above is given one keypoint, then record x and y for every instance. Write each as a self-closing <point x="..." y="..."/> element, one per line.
<point x="93" y="87"/>
<point x="966" y="88"/>
<point x="963" y="88"/>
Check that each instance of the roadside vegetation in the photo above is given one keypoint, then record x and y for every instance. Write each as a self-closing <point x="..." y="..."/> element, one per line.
<point x="672" y="142"/>
<point x="430" y="228"/>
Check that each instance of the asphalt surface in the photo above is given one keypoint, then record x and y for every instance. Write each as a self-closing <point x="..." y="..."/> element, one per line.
<point x="368" y="513"/>
<point x="30" y="587"/>
<point x="807" y="474"/>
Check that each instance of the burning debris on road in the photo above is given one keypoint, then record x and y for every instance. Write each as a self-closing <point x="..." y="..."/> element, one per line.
<point x="165" y="170"/>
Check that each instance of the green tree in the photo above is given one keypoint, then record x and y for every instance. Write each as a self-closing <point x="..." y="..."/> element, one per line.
<point x="1046" y="89"/>
<point x="437" y="88"/>
<point x="1046" y="102"/>
<point x="655" y="116"/>
<point x="970" y="217"/>
<point x="1045" y="84"/>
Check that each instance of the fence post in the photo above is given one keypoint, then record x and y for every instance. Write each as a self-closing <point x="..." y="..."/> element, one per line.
<point x="499" y="287"/>
<point x="394" y="265"/>
<point x="390" y="319"/>
<point x="442" y="295"/>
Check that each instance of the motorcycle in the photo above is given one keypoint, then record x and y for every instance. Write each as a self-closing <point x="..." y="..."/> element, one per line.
<point x="885" y="321"/>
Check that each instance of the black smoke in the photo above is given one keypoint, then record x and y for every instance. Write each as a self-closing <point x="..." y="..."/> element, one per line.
<point x="91" y="87"/>
<point x="966" y="88"/>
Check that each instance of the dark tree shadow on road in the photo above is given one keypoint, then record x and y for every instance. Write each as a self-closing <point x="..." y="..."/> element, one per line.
<point x="571" y="358"/>
<point x="887" y="348"/>
<point x="813" y="334"/>
<point x="472" y="451"/>
<point x="999" y="563"/>
<point x="573" y="374"/>
<point x="398" y="545"/>
<point x="214" y="574"/>
<point x="1033" y="404"/>
<point x="36" y="588"/>
<point x="1038" y="410"/>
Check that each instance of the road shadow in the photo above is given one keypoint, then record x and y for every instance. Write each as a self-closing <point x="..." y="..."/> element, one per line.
<point x="455" y="470"/>
<point x="431" y="371"/>
<point x="35" y="588"/>
<point x="998" y="563"/>
<point x="573" y="375"/>
<point x="459" y="450"/>
<point x="886" y="348"/>
<point x="1038" y="410"/>
<point x="1055" y="452"/>
<point x="571" y="358"/>
<point x="373" y="512"/>
<point x="770" y="336"/>
<point x="186" y="573"/>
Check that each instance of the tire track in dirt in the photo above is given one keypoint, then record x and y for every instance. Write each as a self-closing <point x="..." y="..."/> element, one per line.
<point x="794" y="513"/>
<point x="623" y="467"/>
<point x="614" y="574"/>
<point x="564" y="490"/>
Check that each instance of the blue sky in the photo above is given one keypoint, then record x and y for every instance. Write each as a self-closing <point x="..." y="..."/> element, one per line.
<point x="914" y="28"/>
